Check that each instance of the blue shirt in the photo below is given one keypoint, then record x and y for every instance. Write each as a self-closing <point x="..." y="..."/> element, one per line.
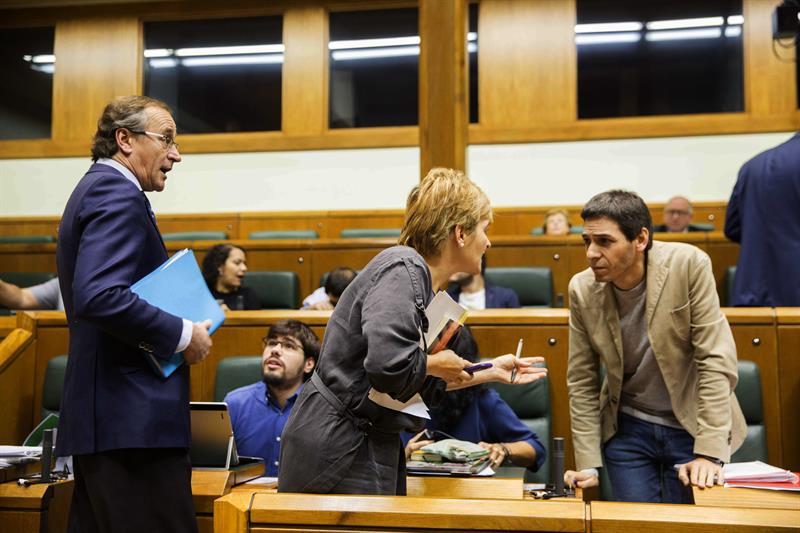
<point x="490" y="419"/>
<point x="258" y="422"/>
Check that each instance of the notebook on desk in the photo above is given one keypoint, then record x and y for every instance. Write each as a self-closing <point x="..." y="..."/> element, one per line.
<point x="424" y="468"/>
<point x="213" y="446"/>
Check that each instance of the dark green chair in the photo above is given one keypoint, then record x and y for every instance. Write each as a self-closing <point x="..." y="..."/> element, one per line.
<point x="53" y="385"/>
<point x="702" y="226"/>
<point x="24" y="279"/>
<point x="730" y="274"/>
<point x="540" y="230"/>
<point x="748" y="392"/>
<point x="533" y="285"/>
<point x="284" y="234"/>
<point x="195" y="236"/>
<point x="376" y="233"/>
<point x="275" y="290"/>
<point x="234" y="372"/>
<point x="531" y="403"/>
<point x="26" y="239"/>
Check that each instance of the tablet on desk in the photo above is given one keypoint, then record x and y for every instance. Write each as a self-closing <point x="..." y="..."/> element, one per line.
<point x="213" y="446"/>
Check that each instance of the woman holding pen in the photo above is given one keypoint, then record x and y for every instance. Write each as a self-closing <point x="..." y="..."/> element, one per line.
<point x="343" y="435"/>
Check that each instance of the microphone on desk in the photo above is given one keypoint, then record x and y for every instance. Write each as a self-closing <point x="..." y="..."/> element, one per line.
<point x="558" y="466"/>
<point x="47" y="454"/>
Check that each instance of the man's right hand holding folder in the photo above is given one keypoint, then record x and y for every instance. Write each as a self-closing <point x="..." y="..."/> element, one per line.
<point x="200" y="344"/>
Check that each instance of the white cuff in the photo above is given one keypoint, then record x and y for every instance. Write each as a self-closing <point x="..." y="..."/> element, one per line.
<point x="186" y="336"/>
<point x="591" y="472"/>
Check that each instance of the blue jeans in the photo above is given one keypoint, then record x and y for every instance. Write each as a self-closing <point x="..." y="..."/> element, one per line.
<point x="639" y="461"/>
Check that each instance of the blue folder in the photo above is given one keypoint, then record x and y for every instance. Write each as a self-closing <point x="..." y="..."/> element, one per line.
<point x="178" y="287"/>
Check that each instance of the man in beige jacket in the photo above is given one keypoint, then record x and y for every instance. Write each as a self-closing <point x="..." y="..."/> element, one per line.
<point x="649" y="313"/>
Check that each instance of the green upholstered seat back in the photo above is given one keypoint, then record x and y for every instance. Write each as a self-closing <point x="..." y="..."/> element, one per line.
<point x="275" y="290"/>
<point x="531" y="403"/>
<point x="748" y="392"/>
<point x="26" y="239"/>
<point x="195" y="236"/>
<point x="234" y="372"/>
<point x="53" y="385"/>
<point x="373" y="233"/>
<point x="284" y="234"/>
<point x="730" y="274"/>
<point x="533" y="285"/>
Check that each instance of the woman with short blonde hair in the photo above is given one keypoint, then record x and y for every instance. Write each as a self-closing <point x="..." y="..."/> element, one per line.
<point x="343" y="435"/>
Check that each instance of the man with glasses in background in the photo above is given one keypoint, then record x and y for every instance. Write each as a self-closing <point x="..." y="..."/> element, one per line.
<point x="259" y="411"/>
<point x="677" y="217"/>
<point x="126" y="427"/>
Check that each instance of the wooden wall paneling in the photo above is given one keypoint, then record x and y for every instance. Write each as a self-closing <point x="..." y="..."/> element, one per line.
<point x="97" y="59"/>
<point x="304" y="108"/>
<point x="551" y="343"/>
<point x="28" y="258"/>
<point x="770" y="84"/>
<point x="527" y="64"/>
<point x="613" y="517"/>
<point x="13" y="226"/>
<point x="17" y="360"/>
<point x="304" y="220"/>
<point x="227" y="222"/>
<point x="789" y="384"/>
<point x="443" y="91"/>
<point x="758" y="343"/>
<point x="339" y="220"/>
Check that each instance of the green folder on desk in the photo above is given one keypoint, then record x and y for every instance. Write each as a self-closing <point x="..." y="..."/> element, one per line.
<point x="178" y="287"/>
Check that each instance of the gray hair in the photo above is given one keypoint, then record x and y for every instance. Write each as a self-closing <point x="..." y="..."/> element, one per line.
<point x="128" y="112"/>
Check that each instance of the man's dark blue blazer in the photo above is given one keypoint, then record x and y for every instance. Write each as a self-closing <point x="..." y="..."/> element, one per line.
<point x="496" y="297"/>
<point x="112" y="398"/>
<point x="764" y="216"/>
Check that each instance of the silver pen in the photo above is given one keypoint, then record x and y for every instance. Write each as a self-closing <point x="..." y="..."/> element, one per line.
<point x="514" y="370"/>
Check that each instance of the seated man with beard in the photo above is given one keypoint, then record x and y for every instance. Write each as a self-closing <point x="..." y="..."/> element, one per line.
<point x="473" y="292"/>
<point x="259" y="411"/>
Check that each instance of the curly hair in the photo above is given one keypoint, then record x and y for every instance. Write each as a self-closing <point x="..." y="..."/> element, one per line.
<point x="123" y="112"/>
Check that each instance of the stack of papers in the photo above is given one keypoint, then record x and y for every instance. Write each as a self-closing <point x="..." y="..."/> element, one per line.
<point x="14" y="455"/>
<point x="758" y="475"/>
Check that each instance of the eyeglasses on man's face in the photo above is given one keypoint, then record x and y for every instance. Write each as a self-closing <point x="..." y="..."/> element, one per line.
<point x="287" y="344"/>
<point x="167" y="141"/>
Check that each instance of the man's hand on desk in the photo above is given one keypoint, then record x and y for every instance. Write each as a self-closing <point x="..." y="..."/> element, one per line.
<point x="701" y="472"/>
<point x="583" y="479"/>
<point x="200" y="343"/>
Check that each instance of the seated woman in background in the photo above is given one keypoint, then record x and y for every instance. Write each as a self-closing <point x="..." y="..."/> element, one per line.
<point x="478" y="414"/>
<point x="223" y="269"/>
<point x="556" y="222"/>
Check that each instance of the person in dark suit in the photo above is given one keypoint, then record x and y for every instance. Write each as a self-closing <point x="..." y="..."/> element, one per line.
<point x="126" y="428"/>
<point x="763" y="217"/>
<point x="472" y="291"/>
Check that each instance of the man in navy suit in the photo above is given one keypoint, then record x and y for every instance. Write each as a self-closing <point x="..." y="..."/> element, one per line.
<point x="764" y="216"/>
<point x="126" y="428"/>
<point x="473" y="292"/>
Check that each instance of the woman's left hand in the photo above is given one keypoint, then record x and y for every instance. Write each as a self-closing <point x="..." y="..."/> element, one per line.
<point x="526" y="371"/>
<point x="497" y="453"/>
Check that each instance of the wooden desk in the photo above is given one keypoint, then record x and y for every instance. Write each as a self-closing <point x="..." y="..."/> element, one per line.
<point x="240" y="512"/>
<point x="748" y="498"/>
<point x="40" y="508"/>
<point x="612" y="517"/>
